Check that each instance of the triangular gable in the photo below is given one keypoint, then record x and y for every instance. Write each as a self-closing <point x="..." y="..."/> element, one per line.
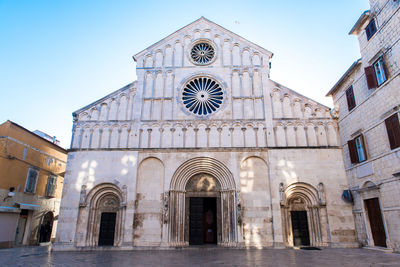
<point x="115" y="93"/>
<point x="193" y="24"/>
<point x="292" y="92"/>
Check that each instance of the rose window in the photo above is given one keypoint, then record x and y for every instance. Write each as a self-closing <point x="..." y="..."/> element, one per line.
<point x="202" y="53"/>
<point x="202" y="96"/>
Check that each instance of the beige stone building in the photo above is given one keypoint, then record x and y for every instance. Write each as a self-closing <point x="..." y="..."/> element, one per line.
<point x="31" y="180"/>
<point x="204" y="148"/>
<point x="367" y="99"/>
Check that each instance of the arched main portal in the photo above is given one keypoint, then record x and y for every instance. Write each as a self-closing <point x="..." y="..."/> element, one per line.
<point x="205" y="181"/>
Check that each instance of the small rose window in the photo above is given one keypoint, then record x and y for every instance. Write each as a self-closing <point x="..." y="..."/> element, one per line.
<point x="202" y="53"/>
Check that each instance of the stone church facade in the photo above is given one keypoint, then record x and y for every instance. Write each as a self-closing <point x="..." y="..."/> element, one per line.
<point x="204" y="148"/>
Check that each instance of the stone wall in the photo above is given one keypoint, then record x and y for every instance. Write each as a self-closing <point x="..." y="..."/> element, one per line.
<point x="374" y="177"/>
<point x="257" y="175"/>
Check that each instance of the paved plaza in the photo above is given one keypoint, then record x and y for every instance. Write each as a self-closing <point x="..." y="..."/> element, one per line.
<point x="41" y="256"/>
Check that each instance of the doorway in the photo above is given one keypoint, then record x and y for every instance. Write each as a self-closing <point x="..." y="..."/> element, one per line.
<point x="301" y="236"/>
<point x="20" y="233"/>
<point x="375" y="221"/>
<point x="107" y="228"/>
<point x="46" y="228"/>
<point x="202" y="220"/>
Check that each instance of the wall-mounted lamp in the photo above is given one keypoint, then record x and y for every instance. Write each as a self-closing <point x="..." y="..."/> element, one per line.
<point x="10" y="194"/>
<point x="347" y="196"/>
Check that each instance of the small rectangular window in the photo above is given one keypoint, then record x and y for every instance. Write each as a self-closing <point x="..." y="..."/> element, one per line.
<point x="351" y="102"/>
<point x="380" y="71"/>
<point x="31" y="180"/>
<point x="357" y="149"/>
<point x="360" y="148"/>
<point x="370" y="30"/>
<point x="393" y="131"/>
<point x="377" y="73"/>
<point x="51" y="185"/>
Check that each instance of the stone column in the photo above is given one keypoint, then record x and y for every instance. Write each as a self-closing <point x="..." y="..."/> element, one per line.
<point x="325" y="240"/>
<point x="177" y="218"/>
<point x="228" y="218"/>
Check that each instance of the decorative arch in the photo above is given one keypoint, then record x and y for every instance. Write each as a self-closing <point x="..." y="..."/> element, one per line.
<point x="105" y="197"/>
<point x="369" y="184"/>
<point x="255" y="185"/>
<point x="202" y="165"/>
<point x="147" y="220"/>
<point x="304" y="190"/>
<point x="303" y="197"/>
<point x="177" y="204"/>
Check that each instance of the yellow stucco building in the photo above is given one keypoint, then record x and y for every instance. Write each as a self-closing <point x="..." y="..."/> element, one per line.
<point x="31" y="179"/>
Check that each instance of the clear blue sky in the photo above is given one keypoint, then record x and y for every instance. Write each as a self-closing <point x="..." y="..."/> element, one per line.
<point x="59" y="56"/>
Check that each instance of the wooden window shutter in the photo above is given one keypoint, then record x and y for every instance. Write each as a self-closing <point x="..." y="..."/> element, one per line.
<point x="362" y="142"/>
<point x="371" y="77"/>
<point x="353" y="151"/>
<point x="351" y="102"/>
<point x="51" y="186"/>
<point x="363" y="146"/>
<point x="393" y="131"/>
<point x="384" y="67"/>
<point x="31" y="180"/>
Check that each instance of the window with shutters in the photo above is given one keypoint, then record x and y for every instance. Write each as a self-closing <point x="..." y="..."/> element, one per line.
<point x="376" y="74"/>
<point x="31" y="180"/>
<point x="393" y="131"/>
<point x="51" y="185"/>
<point x="370" y="30"/>
<point x="351" y="101"/>
<point x="380" y="71"/>
<point x="357" y="149"/>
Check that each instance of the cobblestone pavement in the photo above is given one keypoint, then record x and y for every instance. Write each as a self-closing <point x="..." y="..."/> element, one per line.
<point x="41" y="256"/>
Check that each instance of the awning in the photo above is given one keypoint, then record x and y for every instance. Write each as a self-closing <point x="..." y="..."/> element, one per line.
<point x="25" y="206"/>
<point x="9" y="209"/>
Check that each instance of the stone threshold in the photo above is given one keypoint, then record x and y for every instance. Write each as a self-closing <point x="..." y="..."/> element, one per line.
<point x="383" y="249"/>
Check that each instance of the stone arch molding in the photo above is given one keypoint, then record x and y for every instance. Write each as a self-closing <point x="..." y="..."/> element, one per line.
<point x="178" y="200"/>
<point x="202" y="165"/>
<point x="303" y="190"/>
<point x="305" y="197"/>
<point x="104" y="197"/>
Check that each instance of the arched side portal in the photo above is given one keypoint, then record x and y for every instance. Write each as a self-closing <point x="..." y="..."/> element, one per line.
<point x="101" y="216"/>
<point x="303" y="215"/>
<point x="184" y="185"/>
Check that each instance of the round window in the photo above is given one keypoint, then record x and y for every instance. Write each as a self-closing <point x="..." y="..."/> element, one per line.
<point x="202" y="53"/>
<point x="202" y="96"/>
